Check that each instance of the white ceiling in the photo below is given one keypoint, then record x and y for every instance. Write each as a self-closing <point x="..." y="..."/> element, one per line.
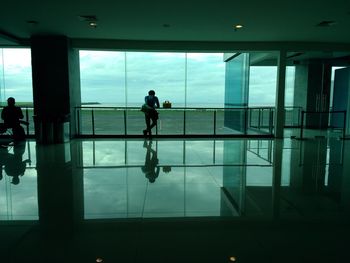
<point x="190" y="20"/>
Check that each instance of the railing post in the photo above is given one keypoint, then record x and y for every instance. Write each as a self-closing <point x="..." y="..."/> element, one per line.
<point x="344" y="125"/>
<point x="125" y="129"/>
<point x="93" y="121"/>
<point x="250" y="117"/>
<point x="184" y="132"/>
<point x="214" y="122"/>
<point x="27" y="119"/>
<point x="302" y="125"/>
<point x="78" y="121"/>
<point x="259" y="118"/>
<point x="245" y="121"/>
<point x="270" y="121"/>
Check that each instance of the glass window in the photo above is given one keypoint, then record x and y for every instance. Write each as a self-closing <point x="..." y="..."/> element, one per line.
<point x="16" y="75"/>
<point x="205" y="80"/>
<point x="159" y="71"/>
<point x="262" y="86"/>
<point x="102" y="77"/>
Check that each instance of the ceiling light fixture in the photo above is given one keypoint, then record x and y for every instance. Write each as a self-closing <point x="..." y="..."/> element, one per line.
<point x="99" y="260"/>
<point x="237" y="27"/>
<point x="93" y="24"/>
<point x="232" y="259"/>
<point x="90" y="19"/>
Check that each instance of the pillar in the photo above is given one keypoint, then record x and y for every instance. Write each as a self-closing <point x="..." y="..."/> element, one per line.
<point x="280" y="94"/>
<point x="56" y="86"/>
<point x="312" y="91"/>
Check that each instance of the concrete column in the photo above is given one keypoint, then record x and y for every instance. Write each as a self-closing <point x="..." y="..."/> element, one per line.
<point x="280" y="94"/>
<point x="56" y="82"/>
<point x="312" y="91"/>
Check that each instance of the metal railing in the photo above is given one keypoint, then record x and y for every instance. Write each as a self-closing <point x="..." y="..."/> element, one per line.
<point x="126" y="121"/>
<point x="28" y="112"/>
<point x="316" y="124"/>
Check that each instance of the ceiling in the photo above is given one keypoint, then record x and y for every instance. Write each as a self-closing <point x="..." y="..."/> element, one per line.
<point x="162" y="20"/>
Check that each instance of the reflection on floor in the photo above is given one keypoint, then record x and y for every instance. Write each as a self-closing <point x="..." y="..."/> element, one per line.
<point x="91" y="185"/>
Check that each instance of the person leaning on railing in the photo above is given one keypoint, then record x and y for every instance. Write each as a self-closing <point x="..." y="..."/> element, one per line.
<point x="149" y="108"/>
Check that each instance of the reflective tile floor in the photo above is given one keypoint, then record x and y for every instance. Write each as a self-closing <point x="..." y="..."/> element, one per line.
<point x="173" y="200"/>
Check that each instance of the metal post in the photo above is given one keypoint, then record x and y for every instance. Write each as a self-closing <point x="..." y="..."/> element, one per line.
<point x="27" y="119"/>
<point x="93" y="121"/>
<point x="270" y="121"/>
<point x="184" y="132"/>
<point x="302" y="125"/>
<point x="125" y="129"/>
<point x="214" y="122"/>
<point x="344" y="125"/>
<point x="250" y="117"/>
<point x="245" y="120"/>
<point x="78" y="120"/>
<point x="259" y="119"/>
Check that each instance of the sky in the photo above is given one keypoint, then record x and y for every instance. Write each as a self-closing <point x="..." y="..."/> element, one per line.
<point x="195" y="78"/>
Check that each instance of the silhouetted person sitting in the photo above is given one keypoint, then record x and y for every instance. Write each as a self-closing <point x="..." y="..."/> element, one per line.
<point x="150" y="169"/>
<point x="149" y="108"/>
<point x="12" y="116"/>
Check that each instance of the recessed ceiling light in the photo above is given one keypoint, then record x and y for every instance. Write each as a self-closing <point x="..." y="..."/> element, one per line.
<point x="93" y="24"/>
<point x="99" y="260"/>
<point x="232" y="259"/>
<point x="238" y="26"/>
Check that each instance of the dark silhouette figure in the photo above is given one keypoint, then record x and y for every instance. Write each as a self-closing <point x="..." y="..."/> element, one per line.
<point x="13" y="163"/>
<point x="12" y="115"/>
<point x="151" y="168"/>
<point x="149" y="108"/>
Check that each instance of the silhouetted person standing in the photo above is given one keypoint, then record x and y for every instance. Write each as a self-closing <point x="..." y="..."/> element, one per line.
<point x="11" y="114"/>
<point x="151" y="102"/>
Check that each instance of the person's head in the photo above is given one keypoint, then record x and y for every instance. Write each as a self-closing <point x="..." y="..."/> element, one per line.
<point x="151" y="93"/>
<point x="11" y="101"/>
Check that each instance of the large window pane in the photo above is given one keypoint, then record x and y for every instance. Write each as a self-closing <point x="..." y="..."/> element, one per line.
<point x="102" y="76"/>
<point x="159" y="71"/>
<point x="16" y="79"/>
<point x="205" y="80"/>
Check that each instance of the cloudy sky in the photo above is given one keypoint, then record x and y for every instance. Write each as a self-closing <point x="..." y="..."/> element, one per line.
<point x="118" y="77"/>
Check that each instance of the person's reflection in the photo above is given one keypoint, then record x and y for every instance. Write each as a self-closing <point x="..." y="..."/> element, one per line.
<point x="151" y="168"/>
<point x="13" y="163"/>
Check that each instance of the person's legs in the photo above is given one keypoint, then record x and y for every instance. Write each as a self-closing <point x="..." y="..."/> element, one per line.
<point x="154" y="123"/>
<point x="154" y="118"/>
<point x="148" y="125"/>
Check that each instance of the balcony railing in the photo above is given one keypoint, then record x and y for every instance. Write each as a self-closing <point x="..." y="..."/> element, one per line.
<point x="96" y="121"/>
<point x="28" y="113"/>
<point x="323" y="124"/>
<point x="127" y="121"/>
